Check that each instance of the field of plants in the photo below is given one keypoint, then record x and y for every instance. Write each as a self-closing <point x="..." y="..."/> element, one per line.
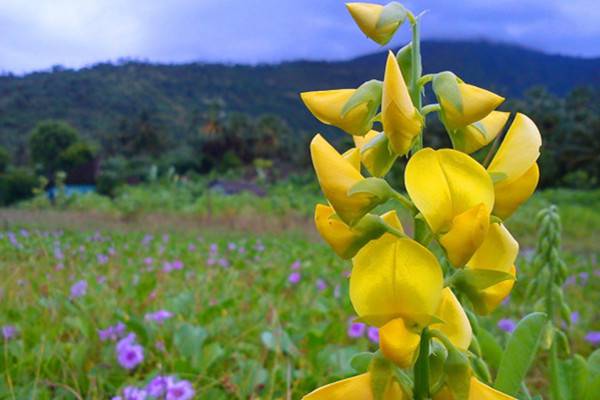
<point x="111" y="310"/>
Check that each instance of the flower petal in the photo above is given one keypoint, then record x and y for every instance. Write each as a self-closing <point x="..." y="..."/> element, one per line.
<point x="466" y="234"/>
<point x="355" y="388"/>
<point x="498" y="251"/>
<point x="393" y="277"/>
<point x="326" y="106"/>
<point x="399" y="343"/>
<point x="476" y="104"/>
<point x="366" y="16"/>
<point x="445" y="183"/>
<point x="510" y="195"/>
<point x="455" y="323"/>
<point x="477" y="135"/>
<point x="519" y="150"/>
<point x="401" y="121"/>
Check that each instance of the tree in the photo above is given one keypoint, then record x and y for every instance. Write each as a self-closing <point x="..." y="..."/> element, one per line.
<point x="48" y="140"/>
<point x="4" y="159"/>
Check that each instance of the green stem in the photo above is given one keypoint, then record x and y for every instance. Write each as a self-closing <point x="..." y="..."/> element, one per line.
<point x="429" y="108"/>
<point x="405" y="202"/>
<point x="416" y="70"/>
<point x="422" y="368"/>
<point x="394" y="231"/>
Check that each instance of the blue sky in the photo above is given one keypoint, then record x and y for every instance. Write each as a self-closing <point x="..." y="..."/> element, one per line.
<point x="36" y="34"/>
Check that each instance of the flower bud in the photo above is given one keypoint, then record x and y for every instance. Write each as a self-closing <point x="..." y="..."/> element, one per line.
<point x="378" y="22"/>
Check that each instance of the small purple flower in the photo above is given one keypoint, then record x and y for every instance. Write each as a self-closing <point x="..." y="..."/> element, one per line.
<point x="574" y="317"/>
<point x="356" y="329"/>
<point x="9" y="332"/>
<point x="231" y="246"/>
<point x="159" y="316"/>
<point x="157" y="386"/>
<point x="78" y="289"/>
<point x="321" y="285"/>
<point x="259" y="247"/>
<point x="583" y="277"/>
<point x="373" y="334"/>
<point x="102" y="258"/>
<point x="112" y="251"/>
<point x="242" y="250"/>
<point x="165" y="238"/>
<point x="58" y="254"/>
<point x="129" y="355"/>
<point x="214" y="248"/>
<point x="507" y="325"/>
<point x="337" y="291"/>
<point x="571" y="280"/>
<point x="148" y="261"/>
<point x="133" y="393"/>
<point x="112" y="332"/>
<point x="191" y="247"/>
<point x="147" y="239"/>
<point x="223" y="262"/>
<point x="296" y="265"/>
<point x="294" y="277"/>
<point x="593" y="338"/>
<point x="179" y="390"/>
<point x="177" y="264"/>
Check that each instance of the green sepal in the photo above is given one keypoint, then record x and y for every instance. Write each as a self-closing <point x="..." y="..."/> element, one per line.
<point x="376" y="187"/>
<point x="437" y="358"/>
<point x="481" y="370"/>
<point x="458" y="374"/>
<point x="361" y="361"/>
<point x="404" y="58"/>
<point x="370" y="93"/>
<point x="445" y="86"/>
<point x="491" y="349"/>
<point x="381" y="373"/>
<point x="562" y="341"/>
<point x="369" y="227"/>
<point x="392" y="13"/>
<point x="497" y="176"/>
<point x="478" y="279"/>
<point x="377" y="156"/>
<point x="547" y="336"/>
<point x="405" y="382"/>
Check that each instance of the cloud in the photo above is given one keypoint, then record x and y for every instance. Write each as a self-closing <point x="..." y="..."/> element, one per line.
<point x="38" y="34"/>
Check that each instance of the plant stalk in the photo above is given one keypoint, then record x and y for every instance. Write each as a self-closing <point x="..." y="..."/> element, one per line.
<point x="422" y="368"/>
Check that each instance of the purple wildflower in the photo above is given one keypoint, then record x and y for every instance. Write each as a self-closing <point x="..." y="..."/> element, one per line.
<point x="101" y="279"/>
<point x="58" y="254"/>
<point x="373" y="334"/>
<point x="148" y="260"/>
<point x="159" y="316"/>
<point x="112" y="332"/>
<point x="574" y="317"/>
<point x="102" y="258"/>
<point x="191" y="247"/>
<point x="337" y="291"/>
<point x="356" y="329"/>
<point x="296" y="265"/>
<point x="593" y="338"/>
<point x="259" y="247"/>
<point x="571" y="280"/>
<point x="157" y="386"/>
<point x="78" y="289"/>
<point x="214" y="248"/>
<point x="179" y="390"/>
<point x="242" y="250"/>
<point x="130" y="355"/>
<point x="321" y="285"/>
<point x="133" y="393"/>
<point x="177" y="264"/>
<point x="231" y="246"/>
<point x="147" y="239"/>
<point x="294" y="277"/>
<point x="165" y="238"/>
<point x="223" y="262"/>
<point x="9" y="332"/>
<point x="507" y="325"/>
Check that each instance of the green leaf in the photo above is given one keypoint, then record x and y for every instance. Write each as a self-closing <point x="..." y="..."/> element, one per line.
<point x="392" y="13"/>
<point x="578" y="373"/>
<point x="381" y="374"/>
<point x="491" y="349"/>
<point x="458" y="374"/>
<point x="278" y="339"/>
<point x="445" y="86"/>
<point x="189" y="339"/>
<point x="520" y="353"/>
<point x="404" y="58"/>
<point x="593" y="362"/>
<point x="360" y="362"/>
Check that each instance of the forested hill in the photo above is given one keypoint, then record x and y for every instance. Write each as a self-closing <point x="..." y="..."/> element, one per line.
<point x="96" y="100"/>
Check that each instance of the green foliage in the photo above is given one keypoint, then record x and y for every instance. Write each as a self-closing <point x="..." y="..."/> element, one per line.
<point x="16" y="185"/>
<point x="4" y="159"/>
<point x="47" y="142"/>
<point x="75" y="155"/>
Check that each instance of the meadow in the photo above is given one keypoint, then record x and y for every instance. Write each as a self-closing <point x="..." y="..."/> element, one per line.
<point x="237" y="300"/>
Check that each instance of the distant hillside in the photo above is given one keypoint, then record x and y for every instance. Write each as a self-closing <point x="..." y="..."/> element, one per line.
<point x="97" y="99"/>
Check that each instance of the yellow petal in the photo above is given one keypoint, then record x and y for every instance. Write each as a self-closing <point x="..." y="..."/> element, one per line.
<point x="355" y="388"/>
<point x="475" y="136"/>
<point x="401" y="121"/>
<point x="466" y="234"/>
<point x="477" y="391"/>
<point x="393" y="277"/>
<point x="336" y="176"/>
<point x="353" y="157"/>
<point x="519" y="150"/>
<point x="360" y="141"/>
<point x="446" y="183"/>
<point x="510" y="195"/>
<point x="399" y="343"/>
<point x="455" y="323"/>
<point x="347" y="241"/>
<point x="480" y="391"/>
<point x="476" y="104"/>
<point x="366" y="16"/>
<point x="327" y="105"/>
<point x="498" y="251"/>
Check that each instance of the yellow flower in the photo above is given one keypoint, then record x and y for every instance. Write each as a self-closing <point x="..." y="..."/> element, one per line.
<point x="367" y="17"/>
<point x="400" y="343"/>
<point x="473" y="137"/>
<point x="498" y="252"/>
<point x="455" y="195"/>
<point x="336" y="175"/>
<point x="477" y="391"/>
<point x="455" y="324"/>
<point x="402" y="123"/>
<point x="355" y="388"/>
<point x="395" y="278"/>
<point x="347" y="241"/>
<point x="327" y="105"/>
<point x="462" y="104"/>
<point x="375" y="153"/>
<point x="514" y="167"/>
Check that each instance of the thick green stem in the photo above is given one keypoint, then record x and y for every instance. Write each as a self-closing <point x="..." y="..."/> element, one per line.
<point x="429" y="108"/>
<point x="422" y="368"/>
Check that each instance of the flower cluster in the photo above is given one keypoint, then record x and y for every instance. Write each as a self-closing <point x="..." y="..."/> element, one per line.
<point x="129" y="353"/>
<point x="409" y="284"/>
<point x="160" y="387"/>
